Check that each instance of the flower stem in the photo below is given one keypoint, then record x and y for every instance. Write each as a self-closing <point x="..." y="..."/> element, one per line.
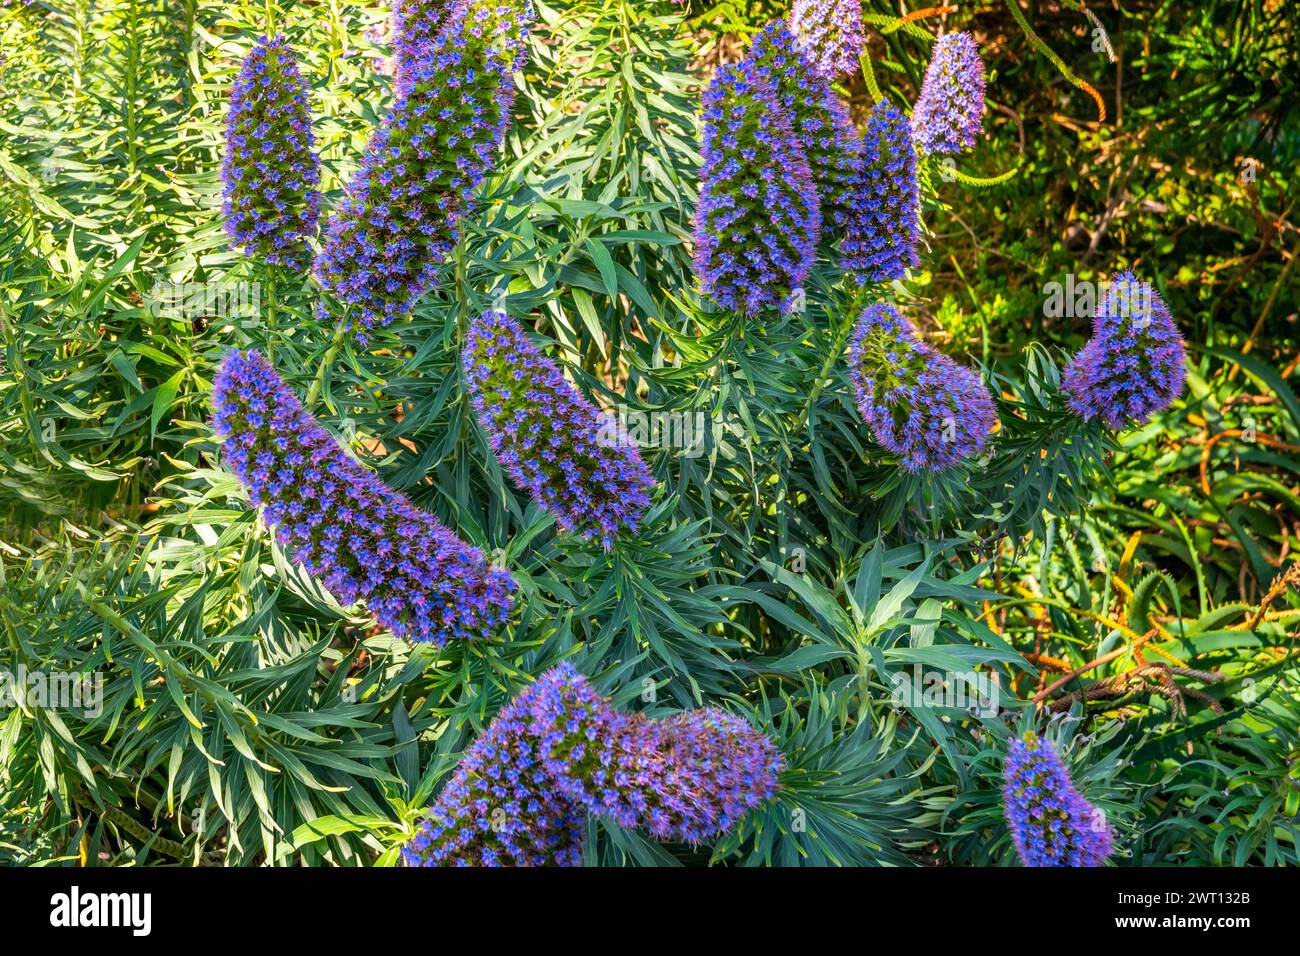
<point x="314" y="392"/>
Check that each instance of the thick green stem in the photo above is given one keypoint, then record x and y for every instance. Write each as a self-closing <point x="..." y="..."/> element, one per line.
<point x="326" y="363"/>
<point x="270" y="314"/>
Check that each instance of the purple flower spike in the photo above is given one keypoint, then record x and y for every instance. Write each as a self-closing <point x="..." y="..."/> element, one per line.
<point x="363" y="540"/>
<point x="270" y="170"/>
<point x="1051" y="824"/>
<point x="883" y="229"/>
<point x="918" y="403"/>
<point x="757" y="222"/>
<point x="400" y="219"/>
<point x="559" y="752"/>
<point x="950" y="110"/>
<point x="830" y="33"/>
<point x="820" y="122"/>
<point x="551" y="441"/>
<point x="1133" y="366"/>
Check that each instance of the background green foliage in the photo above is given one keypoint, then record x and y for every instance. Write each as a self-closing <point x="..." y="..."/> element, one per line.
<point x="784" y="572"/>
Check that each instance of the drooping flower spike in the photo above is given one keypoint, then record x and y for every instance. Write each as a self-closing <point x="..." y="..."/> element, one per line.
<point x="757" y="222"/>
<point x="401" y="216"/>
<point x="1133" y="366"/>
<point x="820" y="122"/>
<point x="1051" y="824"/>
<point x="269" y="169"/>
<point x="559" y="752"/>
<point x="883" y="227"/>
<point x="363" y="540"/>
<point x="918" y="403"/>
<point x="949" y="112"/>
<point x="830" y="33"/>
<point x="551" y="440"/>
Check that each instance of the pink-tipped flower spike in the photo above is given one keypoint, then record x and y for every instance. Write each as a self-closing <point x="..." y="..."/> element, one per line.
<point x="560" y="752"/>
<point x="758" y="218"/>
<point x="830" y="33"/>
<point x="883" y="229"/>
<point x="363" y="540"/>
<point x="1133" y="366"/>
<point x="949" y="113"/>
<point x="1051" y="824"/>
<point x="551" y="440"/>
<point x="918" y="403"/>
<point x="269" y="169"/>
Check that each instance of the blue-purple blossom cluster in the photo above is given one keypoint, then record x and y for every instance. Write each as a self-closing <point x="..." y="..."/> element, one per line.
<point x="758" y="218"/>
<point x="269" y="169"/>
<point x="1133" y="366"/>
<point x="883" y="228"/>
<point x="830" y="33"/>
<point x="552" y="441"/>
<point x="819" y="120"/>
<point x="415" y="28"/>
<point x="1051" y="824"/>
<point x="559" y="752"/>
<point x="919" y="403"/>
<point x="332" y="515"/>
<point x="401" y="216"/>
<point x="949" y="111"/>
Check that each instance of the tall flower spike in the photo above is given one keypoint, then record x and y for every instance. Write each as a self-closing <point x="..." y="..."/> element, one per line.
<point x="919" y="403"/>
<point x="882" y="232"/>
<point x="559" y="752"/>
<point x="346" y="527"/>
<point x="551" y="441"/>
<point x="757" y="222"/>
<point x="1133" y="366"/>
<point x="821" y="124"/>
<point x="269" y="169"/>
<point x="401" y="216"/>
<point x="950" y="110"/>
<point x="830" y="33"/>
<point x="1051" y="824"/>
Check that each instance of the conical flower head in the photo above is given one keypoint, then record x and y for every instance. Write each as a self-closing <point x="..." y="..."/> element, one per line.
<point x="918" y="403"/>
<point x="363" y="540"/>
<point x="883" y="227"/>
<point x="1051" y="824"/>
<point x="757" y="222"/>
<point x="401" y="216"/>
<point x="820" y="122"/>
<point x="1133" y="366"/>
<point x="830" y="33"/>
<point x="950" y="110"/>
<point x="417" y="23"/>
<point x="552" y="441"/>
<point x="269" y="169"/>
<point x="559" y="752"/>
